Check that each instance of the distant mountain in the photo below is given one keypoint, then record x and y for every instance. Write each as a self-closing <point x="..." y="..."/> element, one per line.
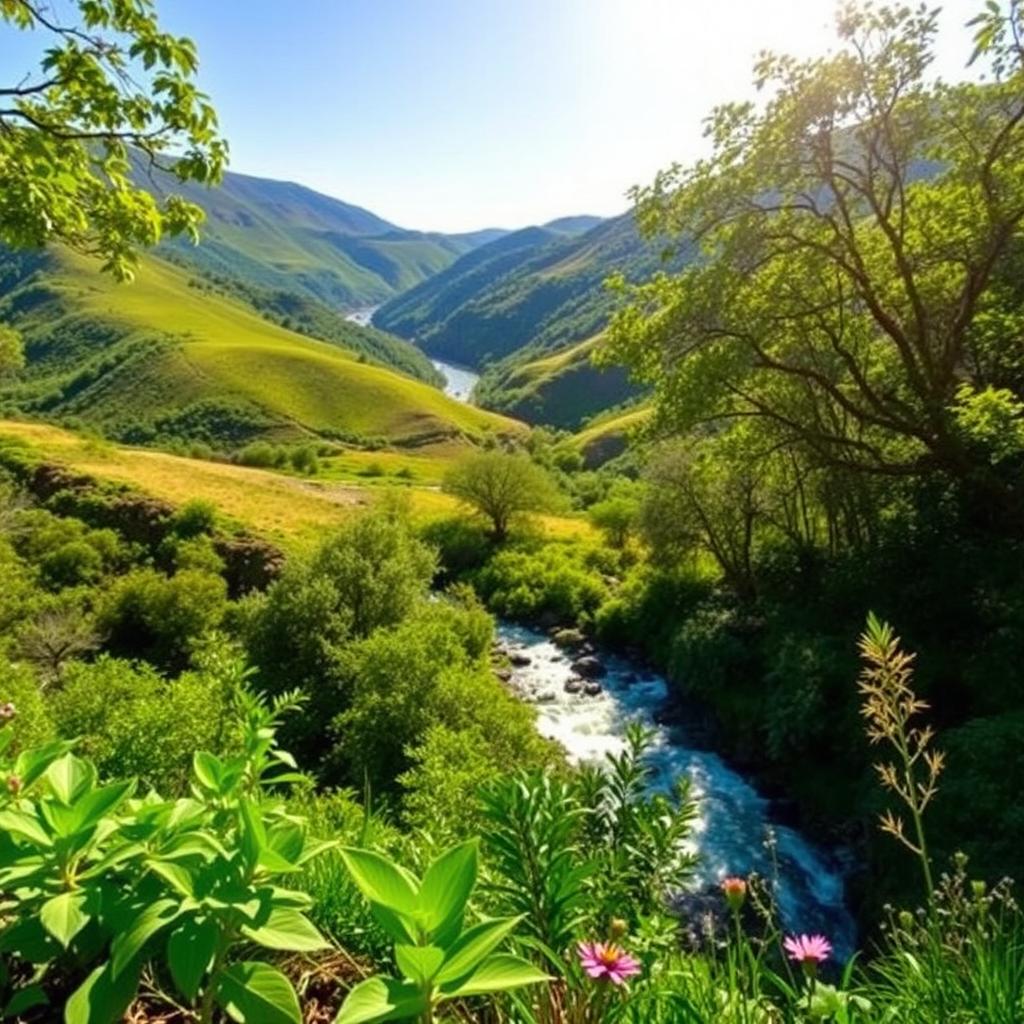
<point x="284" y="236"/>
<point x="573" y="225"/>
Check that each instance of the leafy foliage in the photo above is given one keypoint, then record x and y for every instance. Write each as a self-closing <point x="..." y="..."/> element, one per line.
<point x="72" y="131"/>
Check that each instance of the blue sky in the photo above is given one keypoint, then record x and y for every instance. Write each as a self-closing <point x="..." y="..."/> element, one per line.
<point x="459" y="114"/>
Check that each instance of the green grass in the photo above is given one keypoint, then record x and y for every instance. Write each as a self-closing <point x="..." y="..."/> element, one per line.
<point x="607" y="437"/>
<point x="172" y="346"/>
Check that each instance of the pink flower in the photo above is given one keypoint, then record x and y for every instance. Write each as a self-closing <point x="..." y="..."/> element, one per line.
<point x="808" y="950"/>
<point x="735" y="890"/>
<point x="606" y="960"/>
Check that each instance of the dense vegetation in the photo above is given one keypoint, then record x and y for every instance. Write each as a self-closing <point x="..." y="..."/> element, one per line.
<point x="266" y="786"/>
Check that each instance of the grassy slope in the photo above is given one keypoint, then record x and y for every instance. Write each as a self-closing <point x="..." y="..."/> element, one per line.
<point x="607" y="437"/>
<point x="561" y="389"/>
<point x="224" y="351"/>
<point x="286" y="508"/>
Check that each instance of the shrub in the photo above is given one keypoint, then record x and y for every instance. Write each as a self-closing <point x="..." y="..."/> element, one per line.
<point x="549" y="584"/>
<point x="194" y="518"/>
<point x="462" y="545"/>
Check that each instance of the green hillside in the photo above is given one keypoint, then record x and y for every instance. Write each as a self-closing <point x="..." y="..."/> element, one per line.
<point x="550" y="296"/>
<point x="561" y="389"/>
<point x="159" y="359"/>
<point x="281" y="235"/>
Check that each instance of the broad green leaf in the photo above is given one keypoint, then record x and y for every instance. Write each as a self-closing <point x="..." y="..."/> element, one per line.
<point x="208" y="769"/>
<point x="255" y="993"/>
<point x="190" y="951"/>
<point x="69" y="777"/>
<point x="31" y="764"/>
<point x="26" y="825"/>
<point x="418" y="963"/>
<point x="25" y="999"/>
<point x="101" y="997"/>
<point x="253" y="835"/>
<point x="381" y="881"/>
<point x="97" y="803"/>
<point x="177" y="876"/>
<point x="287" y="929"/>
<point x="446" y="887"/>
<point x="497" y="973"/>
<point x="398" y="928"/>
<point x="64" y="916"/>
<point x="128" y="944"/>
<point x="30" y="940"/>
<point x="381" y="999"/>
<point x="472" y="946"/>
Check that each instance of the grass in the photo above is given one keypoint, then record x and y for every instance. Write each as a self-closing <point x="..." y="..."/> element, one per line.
<point x="224" y="351"/>
<point x="606" y="437"/>
<point x="288" y="509"/>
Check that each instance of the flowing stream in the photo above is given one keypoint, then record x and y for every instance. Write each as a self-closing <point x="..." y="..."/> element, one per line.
<point x="459" y="381"/>
<point x="734" y="833"/>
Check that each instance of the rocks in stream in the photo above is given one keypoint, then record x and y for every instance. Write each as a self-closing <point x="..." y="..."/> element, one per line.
<point x="519" y="659"/>
<point x="592" y="688"/>
<point x="573" y="685"/>
<point x="569" y="639"/>
<point x="589" y="667"/>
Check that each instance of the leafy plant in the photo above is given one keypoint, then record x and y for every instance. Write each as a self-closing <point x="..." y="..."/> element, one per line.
<point x="440" y="958"/>
<point x="131" y="888"/>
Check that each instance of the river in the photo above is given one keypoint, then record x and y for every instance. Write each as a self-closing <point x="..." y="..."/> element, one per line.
<point x="734" y="833"/>
<point x="459" y="381"/>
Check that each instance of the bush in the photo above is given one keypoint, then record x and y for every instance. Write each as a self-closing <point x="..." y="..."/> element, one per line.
<point x="549" y="584"/>
<point x="147" y="614"/>
<point x="194" y="518"/>
<point x="462" y="545"/>
<point x="133" y="722"/>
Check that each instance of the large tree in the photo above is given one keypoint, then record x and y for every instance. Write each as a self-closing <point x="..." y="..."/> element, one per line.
<point x="501" y="486"/>
<point x="852" y="228"/>
<point x="114" y="98"/>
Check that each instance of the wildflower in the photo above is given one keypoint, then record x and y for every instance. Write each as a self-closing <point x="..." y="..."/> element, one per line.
<point x="735" y="890"/>
<point x="7" y="712"/>
<point x="14" y="785"/>
<point x="808" y="951"/>
<point x="617" y="927"/>
<point x="603" y="960"/>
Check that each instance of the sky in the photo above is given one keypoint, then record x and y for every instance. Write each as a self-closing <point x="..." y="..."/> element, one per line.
<point x="453" y="115"/>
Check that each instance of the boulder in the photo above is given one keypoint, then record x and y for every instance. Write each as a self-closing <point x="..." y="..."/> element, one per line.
<point x="504" y="674"/>
<point x="519" y="658"/>
<point x="592" y="688"/>
<point x="568" y="639"/>
<point x="589" y="667"/>
<point x="573" y="685"/>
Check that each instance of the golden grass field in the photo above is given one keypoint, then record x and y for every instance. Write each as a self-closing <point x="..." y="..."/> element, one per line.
<point x="287" y="509"/>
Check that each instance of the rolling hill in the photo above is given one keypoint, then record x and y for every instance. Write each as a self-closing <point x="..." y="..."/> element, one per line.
<point x="281" y="235"/>
<point x="159" y="359"/>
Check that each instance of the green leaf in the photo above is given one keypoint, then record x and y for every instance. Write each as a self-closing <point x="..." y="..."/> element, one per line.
<point x="208" y="769"/>
<point x="253" y="835"/>
<point x="31" y="764"/>
<point x="129" y="943"/>
<point x="94" y="805"/>
<point x="497" y="973"/>
<point x="287" y="929"/>
<point x="446" y="887"/>
<point x="418" y="963"/>
<point x="28" y="826"/>
<point x="190" y="950"/>
<point x="25" y="999"/>
<point x="381" y="999"/>
<point x="381" y="881"/>
<point x="69" y="777"/>
<point x="178" y="877"/>
<point x="101" y="998"/>
<point x="63" y="916"/>
<point x="255" y="993"/>
<point x="472" y="946"/>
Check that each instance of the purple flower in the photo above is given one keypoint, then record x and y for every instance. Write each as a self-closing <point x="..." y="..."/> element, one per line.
<point x="603" y="960"/>
<point x="808" y="950"/>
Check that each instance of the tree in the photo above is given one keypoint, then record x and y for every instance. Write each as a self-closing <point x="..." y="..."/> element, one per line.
<point x="616" y="516"/>
<point x="851" y="230"/>
<point x="12" y="354"/>
<point x="114" y="99"/>
<point x="501" y="486"/>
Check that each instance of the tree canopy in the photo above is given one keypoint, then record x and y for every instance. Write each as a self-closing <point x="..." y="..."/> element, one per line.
<point x="113" y="102"/>
<point x="860" y="243"/>
<point x="501" y="486"/>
